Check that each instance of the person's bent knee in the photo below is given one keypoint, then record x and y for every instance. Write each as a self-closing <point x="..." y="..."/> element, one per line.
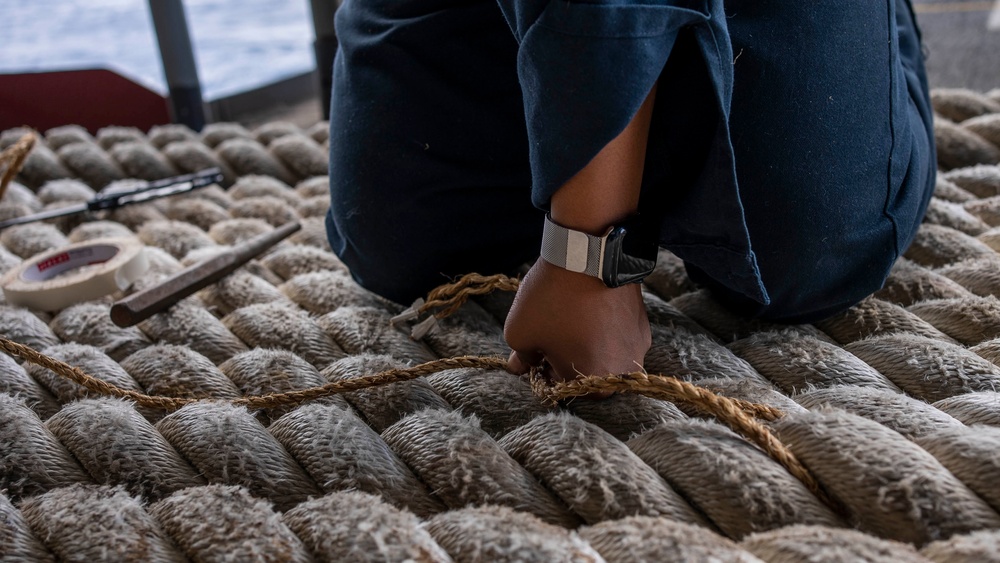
<point x="820" y="302"/>
<point x="400" y="268"/>
<point x="809" y="287"/>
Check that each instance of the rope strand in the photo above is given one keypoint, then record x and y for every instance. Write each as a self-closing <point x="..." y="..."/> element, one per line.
<point x="450" y="297"/>
<point x="14" y="157"/>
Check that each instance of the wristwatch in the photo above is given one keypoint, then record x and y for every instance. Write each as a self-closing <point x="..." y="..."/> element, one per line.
<point x="625" y="254"/>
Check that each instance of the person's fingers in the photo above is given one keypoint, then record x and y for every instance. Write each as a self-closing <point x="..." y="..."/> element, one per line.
<point x="521" y="363"/>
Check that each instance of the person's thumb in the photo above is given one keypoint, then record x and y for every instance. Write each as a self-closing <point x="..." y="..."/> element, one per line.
<point x="521" y="362"/>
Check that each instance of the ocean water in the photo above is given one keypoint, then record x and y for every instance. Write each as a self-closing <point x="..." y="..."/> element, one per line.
<point x="239" y="44"/>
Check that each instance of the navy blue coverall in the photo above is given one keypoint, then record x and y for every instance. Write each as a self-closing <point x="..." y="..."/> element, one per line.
<point x="790" y="158"/>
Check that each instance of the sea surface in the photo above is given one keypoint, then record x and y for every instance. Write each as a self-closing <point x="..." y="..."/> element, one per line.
<point x="239" y="44"/>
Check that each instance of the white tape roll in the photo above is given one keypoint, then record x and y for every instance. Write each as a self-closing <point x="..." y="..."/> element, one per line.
<point x="80" y="272"/>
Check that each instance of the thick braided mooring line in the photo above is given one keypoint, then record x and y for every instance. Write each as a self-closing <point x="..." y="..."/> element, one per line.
<point x="738" y="415"/>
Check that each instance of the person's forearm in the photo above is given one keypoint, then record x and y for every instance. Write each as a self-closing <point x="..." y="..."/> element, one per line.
<point x="565" y="323"/>
<point x="607" y="189"/>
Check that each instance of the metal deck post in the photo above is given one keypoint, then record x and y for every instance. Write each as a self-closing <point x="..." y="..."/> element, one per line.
<point x="325" y="47"/>
<point x="178" y="62"/>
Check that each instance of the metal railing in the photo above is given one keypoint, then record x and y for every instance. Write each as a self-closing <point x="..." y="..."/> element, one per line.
<point x="176" y="52"/>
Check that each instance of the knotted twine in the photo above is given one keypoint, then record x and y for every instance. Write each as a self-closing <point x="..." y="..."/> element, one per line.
<point x="741" y="416"/>
<point x="450" y="297"/>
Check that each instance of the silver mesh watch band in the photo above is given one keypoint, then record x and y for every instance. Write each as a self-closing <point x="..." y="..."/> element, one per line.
<point x="573" y="250"/>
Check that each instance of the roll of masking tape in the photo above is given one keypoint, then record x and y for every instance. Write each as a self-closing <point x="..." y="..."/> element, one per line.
<point x="53" y="280"/>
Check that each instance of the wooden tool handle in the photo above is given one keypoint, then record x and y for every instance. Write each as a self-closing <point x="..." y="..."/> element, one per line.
<point x="146" y="303"/>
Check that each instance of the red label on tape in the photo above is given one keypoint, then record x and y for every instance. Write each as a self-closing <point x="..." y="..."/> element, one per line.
<point x="54" y="261"/>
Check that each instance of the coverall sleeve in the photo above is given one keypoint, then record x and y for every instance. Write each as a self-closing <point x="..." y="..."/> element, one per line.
<point x="586" y="66"/>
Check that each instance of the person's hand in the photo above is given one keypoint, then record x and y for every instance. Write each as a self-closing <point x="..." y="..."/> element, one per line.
<point x="576" y="324"/>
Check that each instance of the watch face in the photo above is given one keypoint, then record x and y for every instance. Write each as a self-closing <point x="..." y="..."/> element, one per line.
<point x="629" y="255"/>
<point x="639" y="243"/>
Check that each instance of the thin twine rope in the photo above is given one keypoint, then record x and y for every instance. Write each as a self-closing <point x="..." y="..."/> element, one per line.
<point x="14" y="157"/>
<point x="268" y="401"/>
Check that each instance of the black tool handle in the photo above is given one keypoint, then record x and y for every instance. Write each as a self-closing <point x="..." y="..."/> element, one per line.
<point x="196" y="180"/>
